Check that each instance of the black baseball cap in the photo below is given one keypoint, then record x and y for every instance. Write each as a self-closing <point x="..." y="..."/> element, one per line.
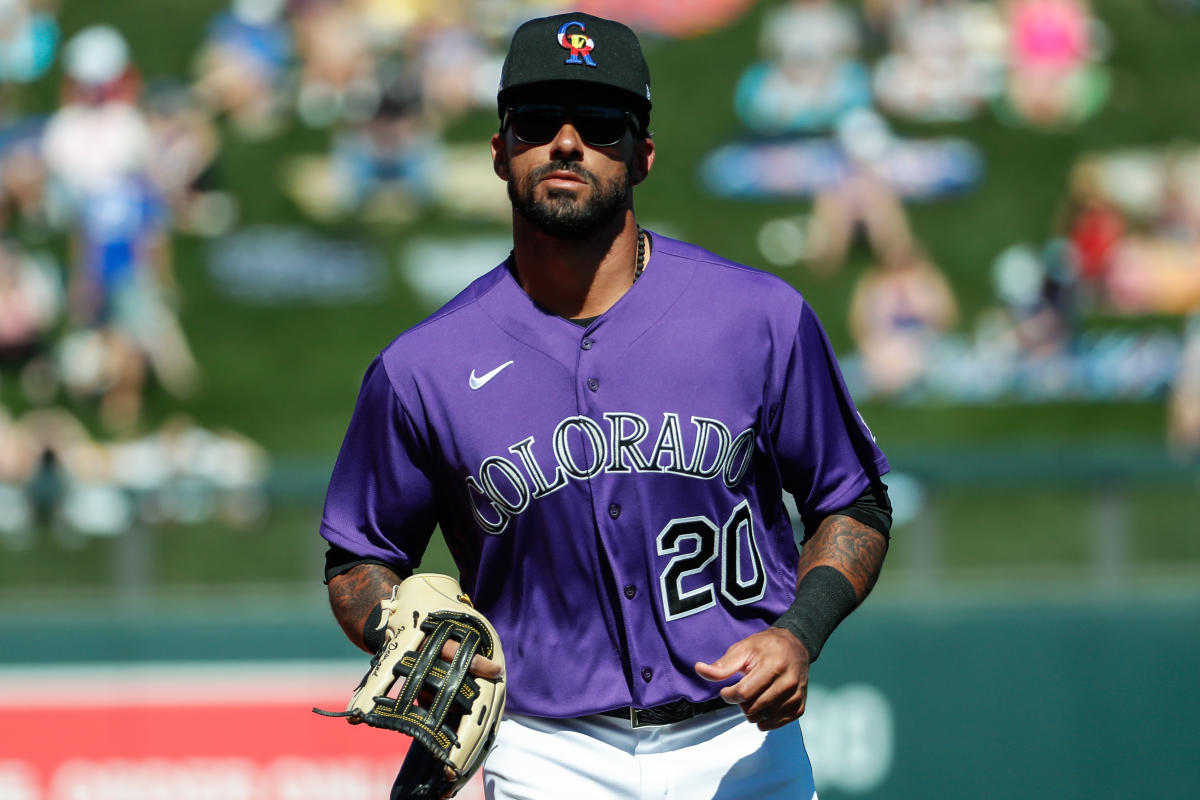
<point x="551" y="53"/>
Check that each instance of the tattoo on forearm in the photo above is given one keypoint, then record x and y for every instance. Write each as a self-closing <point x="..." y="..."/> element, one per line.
<point x="854" y="549"/>
<point x="353" y="595"/>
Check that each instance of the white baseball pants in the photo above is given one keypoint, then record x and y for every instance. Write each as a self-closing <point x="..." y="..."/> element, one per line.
<point x="717" y="756"/>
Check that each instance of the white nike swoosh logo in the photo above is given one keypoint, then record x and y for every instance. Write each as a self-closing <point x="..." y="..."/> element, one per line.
<point x="478" y="382"/>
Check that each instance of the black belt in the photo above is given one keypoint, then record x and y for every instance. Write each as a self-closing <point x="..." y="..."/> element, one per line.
<point x="676" y="711"/>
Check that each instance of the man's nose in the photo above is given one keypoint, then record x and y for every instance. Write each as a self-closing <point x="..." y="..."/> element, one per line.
<point x="567" y="144"/>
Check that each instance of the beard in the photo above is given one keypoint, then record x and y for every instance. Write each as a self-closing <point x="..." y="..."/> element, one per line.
<point x="566" y="215"/>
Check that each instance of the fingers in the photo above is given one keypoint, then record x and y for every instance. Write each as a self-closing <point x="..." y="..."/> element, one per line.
<point x="480" y="666"/>
<point x="741" y="658"/>
<point x="486" y="668"/>
<point x="778" y="704"/>
<point x="774" y="682"/>
<point x="722" y="669"/>
<point x="725" y="667"/>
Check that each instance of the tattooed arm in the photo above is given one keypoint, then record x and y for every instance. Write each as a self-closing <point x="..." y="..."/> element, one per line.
<point x="852" y="548"/>
<point x="355" y="595"/>
<point x="838" y="567"/>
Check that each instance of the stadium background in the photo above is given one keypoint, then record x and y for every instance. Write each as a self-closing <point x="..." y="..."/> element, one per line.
<point x="1034" y="634"/>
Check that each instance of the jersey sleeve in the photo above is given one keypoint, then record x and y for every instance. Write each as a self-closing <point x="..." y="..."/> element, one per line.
<point x="380" y="502"/>
<point x="826" y="454"/>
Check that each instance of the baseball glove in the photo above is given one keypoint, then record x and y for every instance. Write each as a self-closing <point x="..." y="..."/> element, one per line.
<point x="450" y="713"/>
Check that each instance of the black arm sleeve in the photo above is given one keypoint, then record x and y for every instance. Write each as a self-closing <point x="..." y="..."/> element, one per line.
<point x="872" y="508"/>
<point x="825" y="596"/>
<point x="823" y="599"/>
<point x="339" y="560"/>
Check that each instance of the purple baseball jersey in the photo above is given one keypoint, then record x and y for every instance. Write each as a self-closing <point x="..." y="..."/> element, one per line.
<point x="612" y="495"/>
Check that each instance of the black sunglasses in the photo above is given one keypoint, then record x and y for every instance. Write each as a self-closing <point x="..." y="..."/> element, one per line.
<point x="538" y="123"/>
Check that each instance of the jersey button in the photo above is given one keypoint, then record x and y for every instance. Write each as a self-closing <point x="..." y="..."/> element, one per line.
<point x="593" y="384"/>
<point x="630" y="591"/>
<point x="614" y="511"/>
<point x="586" y="344"/>
<point x="647" y="674"/>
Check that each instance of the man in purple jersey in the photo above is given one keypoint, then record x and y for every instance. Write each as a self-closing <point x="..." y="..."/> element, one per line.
<point x="603" y="427"/>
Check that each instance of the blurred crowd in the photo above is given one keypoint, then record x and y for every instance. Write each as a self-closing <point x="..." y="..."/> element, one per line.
<point x="91" y="196"/>
<point x="1106" y="308"/>
<point x="95" y="193"/>
<point x="1097" y="311"/>
<point x="1032" y="62"/>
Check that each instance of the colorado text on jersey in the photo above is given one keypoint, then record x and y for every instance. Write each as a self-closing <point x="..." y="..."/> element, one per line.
<point x="505" y="490"/>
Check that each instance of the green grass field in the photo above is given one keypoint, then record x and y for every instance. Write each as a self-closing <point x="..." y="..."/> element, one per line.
<point x="287" y="377"/>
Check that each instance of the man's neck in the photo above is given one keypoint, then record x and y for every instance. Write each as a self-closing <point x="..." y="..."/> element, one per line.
<point x="576" y="277"/>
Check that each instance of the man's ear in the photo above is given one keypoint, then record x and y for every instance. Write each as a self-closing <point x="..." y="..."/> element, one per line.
<point x="499" y="156"/>
<point x="643" y="159"/>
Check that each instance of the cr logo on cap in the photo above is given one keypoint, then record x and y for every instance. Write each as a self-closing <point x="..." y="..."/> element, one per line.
<point x="577" y="42"/>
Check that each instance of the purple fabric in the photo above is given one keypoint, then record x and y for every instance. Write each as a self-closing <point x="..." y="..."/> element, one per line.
<point x="612" y="497"/>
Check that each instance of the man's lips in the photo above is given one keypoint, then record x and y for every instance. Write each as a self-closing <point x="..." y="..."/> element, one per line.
<point x="562" y="176"/>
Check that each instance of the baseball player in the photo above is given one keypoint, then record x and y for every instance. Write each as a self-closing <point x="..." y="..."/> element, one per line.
<point x="603" y="428"/>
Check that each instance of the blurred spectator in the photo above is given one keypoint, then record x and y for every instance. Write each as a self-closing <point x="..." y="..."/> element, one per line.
<point x="1132" y="222"/>
<point x="30" y="308"/>
<point x="1177" y="215"/>
<point x="1157" y="269"/>
<point x="900" y="309"/>
<point x="457" y="68"/>
<point x="1154" y="275"/>
<point x="390" y="22"/>
<point x="184" y="473"/>
<point x="241" y="67"/>
<point x="337" y="63"/>
<point x="17" y="464"/>
<point x="123" y="289"/>
<point x="810" y="75"/>
<point x="810" y="30"/>
<point x="62" y="460"/>
<point x="1053" y="49"/>
<point x="54" y="476"/>
<point x="1183" y="406"/>
<point x="946" y="58"/>
<point x="115" y="175"/>
<point x="23" y="179"/>
<point x="1037" y="293"/>
<point x="1094" y="225"/>
<point x="392" y="158"/>
<point x="184" y="144"/>
<point x="28" y="41"/>
<point x="98" y="136"/>
<point x="862" y="205"/>
<point x="98" y="148"/>
<point x="382" y="168"/>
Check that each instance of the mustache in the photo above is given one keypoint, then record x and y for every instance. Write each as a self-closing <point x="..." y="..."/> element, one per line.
<point x="562" y="166"/>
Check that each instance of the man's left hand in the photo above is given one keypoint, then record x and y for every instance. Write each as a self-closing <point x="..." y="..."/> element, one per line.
<point x="774" y="685"/>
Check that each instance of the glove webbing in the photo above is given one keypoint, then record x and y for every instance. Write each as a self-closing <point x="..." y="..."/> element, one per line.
<point x="452" y="684"/>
